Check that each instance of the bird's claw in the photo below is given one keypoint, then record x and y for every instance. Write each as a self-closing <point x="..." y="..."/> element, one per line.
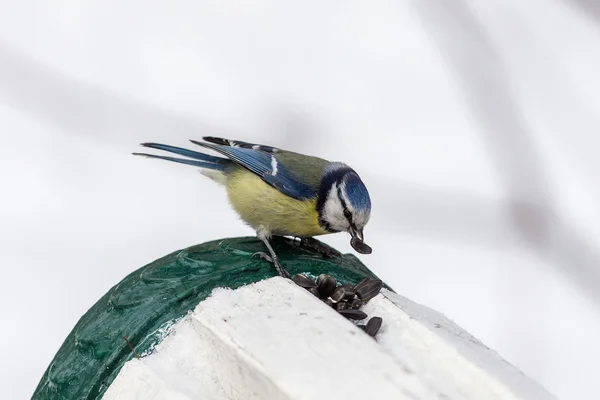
<point x="321" y="248"/>
<point x="263" y="255"/>
<point x="275" y="261"/>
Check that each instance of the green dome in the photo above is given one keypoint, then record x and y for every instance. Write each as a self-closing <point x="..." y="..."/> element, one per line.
<point x="148" y="301"/>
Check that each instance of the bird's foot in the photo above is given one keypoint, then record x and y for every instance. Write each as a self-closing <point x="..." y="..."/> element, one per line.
<point x="262" y="255"/>
<point x="275" y="261"/>
<point x="321" y="248"/>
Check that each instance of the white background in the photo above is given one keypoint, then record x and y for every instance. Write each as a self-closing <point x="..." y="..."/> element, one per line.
<point x="474" y="124"/>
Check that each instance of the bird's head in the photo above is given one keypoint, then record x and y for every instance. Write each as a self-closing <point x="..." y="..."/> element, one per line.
<point x="344" y="204"/>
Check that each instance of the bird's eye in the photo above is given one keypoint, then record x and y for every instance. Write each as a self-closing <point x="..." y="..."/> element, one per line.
<point x="347" y="214"/>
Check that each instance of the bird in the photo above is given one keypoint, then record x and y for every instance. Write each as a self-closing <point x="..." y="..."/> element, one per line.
<point x="282" y="193"/>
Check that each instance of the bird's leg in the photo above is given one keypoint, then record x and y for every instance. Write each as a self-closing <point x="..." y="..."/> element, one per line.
<point x="272" y="258"/>
<point x="321" y="248"/>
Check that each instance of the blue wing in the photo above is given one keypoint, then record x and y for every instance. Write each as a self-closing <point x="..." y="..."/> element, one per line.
<point x="262" y="160"/>
<point x="239" y="143"/>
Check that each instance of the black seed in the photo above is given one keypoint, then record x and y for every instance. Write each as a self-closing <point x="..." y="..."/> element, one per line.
<point x="369" y="289"/>
<point x="373" y="326"/>
<point x="363" y="327"/>
<point x="341" y="306"/>
<point x="349" y="289"/>
<point x="321" y="277"/>
<point x="338" y="294"/>
<point x="360" y="246"/>
<point x="353" y="314"/>
<point x="328" y="302"/>
<point x="356" y="304"/>
<point x="362" y="282"/>
<point x="304" y="281"/>
<point x="326" y="286"/>
<point x="314" y="291"/>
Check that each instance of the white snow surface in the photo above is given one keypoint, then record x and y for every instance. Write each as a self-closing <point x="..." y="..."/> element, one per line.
<point x="447" y="356"/>
<point x="274" y="340"/>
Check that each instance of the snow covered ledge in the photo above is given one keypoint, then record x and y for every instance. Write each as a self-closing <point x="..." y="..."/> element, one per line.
<point x="274" y="340"/>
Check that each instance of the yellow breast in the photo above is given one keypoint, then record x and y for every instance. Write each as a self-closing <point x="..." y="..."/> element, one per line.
<point x="263" y="207"/>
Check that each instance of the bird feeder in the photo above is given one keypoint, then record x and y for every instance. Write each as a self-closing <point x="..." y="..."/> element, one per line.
<point x="211" y="322"/>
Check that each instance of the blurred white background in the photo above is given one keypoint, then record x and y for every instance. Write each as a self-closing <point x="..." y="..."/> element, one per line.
<point x="474" y="124"/>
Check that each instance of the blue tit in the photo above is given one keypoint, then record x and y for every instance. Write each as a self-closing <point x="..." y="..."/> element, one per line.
<point x="282" y="193"/>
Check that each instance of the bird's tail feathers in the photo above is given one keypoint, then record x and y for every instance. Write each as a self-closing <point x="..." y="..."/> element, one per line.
<point x="197" y="159"/>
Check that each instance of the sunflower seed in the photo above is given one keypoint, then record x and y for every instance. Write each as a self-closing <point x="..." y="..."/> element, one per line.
<point x="373" y="326"/>
<point x="338" y="294"/>
<point x="326" y="286"/>
<point x="328" y="302"/>
<point x="341" y="306"/>
<point x="304" y="281"/>
<point x="361" y="283"/>
<point x="352" y="314"/>
<point x="322" y="277"/>
<point x="360" y="246"/>
<point x="314" y="291"/>
<point x="367" y="290"/>
<point x="356" y="304"/>
<point x="362" y="326"/>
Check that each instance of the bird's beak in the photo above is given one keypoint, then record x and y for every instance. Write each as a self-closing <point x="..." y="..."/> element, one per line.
<point x="357" y="241"/>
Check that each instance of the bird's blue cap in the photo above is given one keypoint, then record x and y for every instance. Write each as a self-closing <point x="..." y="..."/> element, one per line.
<point x="357" y="193"/>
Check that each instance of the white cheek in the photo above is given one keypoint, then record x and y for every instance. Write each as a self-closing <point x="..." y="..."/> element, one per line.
<point x="334" y="214"/>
